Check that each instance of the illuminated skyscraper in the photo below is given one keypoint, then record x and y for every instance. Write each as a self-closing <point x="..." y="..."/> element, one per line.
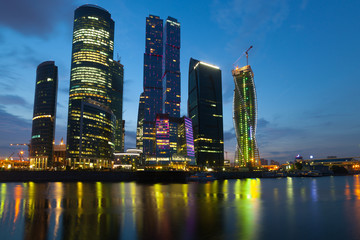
<point x="153" y="57"/>
<point x="171" y="77"/>
<point x="140" y="122"/>
<point x="43" y="126"/>
<point x="245" y="116"/>
<point x="95" y="90"/>
<point x="205" y="111"/>
<point x="162" y="137"/>
<point x="186" y="139"/>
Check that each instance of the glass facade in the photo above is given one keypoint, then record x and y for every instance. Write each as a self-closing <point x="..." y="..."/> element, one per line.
<point x="205" y="111"/>
<point x="186" y="138"/>
<point x="153" y="57"/>
<point x="171" y="67"/>
<point x="140" y="121"/>
<point x="43" y="125"/>
<point x="162" y="137"/>
<point x="245" y="116"/>
<point x="95" y="87"/>
<point x="117" y="72"/>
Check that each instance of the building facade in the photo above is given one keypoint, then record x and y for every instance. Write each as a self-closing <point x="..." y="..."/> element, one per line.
<point x="205" y="111"/>
<point x="44" y="117"/>
<point x="186" y="139"/>
<point x="244" y="116"/>
<point x="140" y="123"/>
<point x="95" y="90"/>
<point x="117" y="84"/>
<point x="171" y="77"/>
<point x="153" y="102"/>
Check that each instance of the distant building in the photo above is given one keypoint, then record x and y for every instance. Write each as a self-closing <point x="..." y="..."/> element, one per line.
<point x="272" y="162"/>
<point x="205" y="111"/>
<point x="44" y="117"/>
<point x="59" y="154"/>
<point x="245" y="113"/>
<point x="264" y="161"/>
<point x="95" y="97"/>
<point x="140" y="123"/>
<point x="129" y="159"/>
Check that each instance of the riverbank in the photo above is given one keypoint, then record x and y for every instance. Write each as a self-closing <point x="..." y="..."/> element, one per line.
<point x="113" y="176"/>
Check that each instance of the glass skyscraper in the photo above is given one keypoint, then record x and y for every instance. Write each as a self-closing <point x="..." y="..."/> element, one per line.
<point x="171" y="77"/>
<point x="117" y="72"/>
<point x="153" y="104"/>
<point x="95" y="97"/>
<point x="205" y="111"/>
<point x="245" y="116"/>
<point x="140" y="122"/>
<point x="43" y="125"/>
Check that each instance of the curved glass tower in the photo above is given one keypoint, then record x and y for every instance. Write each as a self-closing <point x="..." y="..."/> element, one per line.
<point x="43" y="125"/>
<point x="91" y="120"/>
<point x="245" y="111"/>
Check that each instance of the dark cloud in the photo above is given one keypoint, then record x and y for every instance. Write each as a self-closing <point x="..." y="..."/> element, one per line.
<point x="37" y="17"/>
<point x="13" y="129"/>
<point x="229" y="135"/>
<point x="13" y="100"/>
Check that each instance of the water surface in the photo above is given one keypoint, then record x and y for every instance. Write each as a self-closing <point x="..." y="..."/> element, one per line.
<point x="287" y="208"/>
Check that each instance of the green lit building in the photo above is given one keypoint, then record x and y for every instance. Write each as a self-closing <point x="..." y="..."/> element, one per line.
<point x="245" y="113"/>
<point x="95" y="98"/>
<point x="205" y="111"/>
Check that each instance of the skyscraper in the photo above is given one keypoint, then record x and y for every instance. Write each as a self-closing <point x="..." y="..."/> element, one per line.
<point x="153" y="100"/>
<point x="95" y="90"/>
<point x="140" y="122"/>
<point x="186" y="139"/>
<point x="171" y="77"/>
<point x="117" y="72"/>
<point x="43" y="126"/>
<point x="205" y="111"/>
<point x="245" y="116"/>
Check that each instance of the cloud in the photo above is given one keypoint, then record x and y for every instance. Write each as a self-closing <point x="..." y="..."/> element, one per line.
<point x="14" y="130"/>
<point x="229" y="135"/>
<point x="34" y="17"/>
<point x="13" y="100"/>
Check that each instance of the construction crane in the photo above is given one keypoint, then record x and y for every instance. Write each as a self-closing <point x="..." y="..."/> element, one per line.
<point x="21" y="154"/>
<point x="247" y="56"/>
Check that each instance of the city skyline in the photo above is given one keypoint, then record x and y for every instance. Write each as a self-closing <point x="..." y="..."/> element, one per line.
<point x="301" y="103"/>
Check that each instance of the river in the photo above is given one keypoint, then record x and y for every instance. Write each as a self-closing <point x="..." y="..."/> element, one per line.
<point x="284" y="208"/>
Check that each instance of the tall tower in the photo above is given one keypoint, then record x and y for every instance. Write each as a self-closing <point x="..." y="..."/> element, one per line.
<point x="140" y="122"/>
<point x="205" y="111"/>
<point x="245" y="116"/>
<point x="153" y="100"/>
<point x="171" y="77"/>
<point x="117" y="74"/>
<point x="91" y="119"/>
<point x="43" y="126"/>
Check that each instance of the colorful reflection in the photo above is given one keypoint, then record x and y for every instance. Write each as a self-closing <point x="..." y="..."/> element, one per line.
<point x="229" y="209"/>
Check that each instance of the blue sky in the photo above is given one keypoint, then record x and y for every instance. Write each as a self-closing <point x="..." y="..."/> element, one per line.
<point x="305" y="61"/>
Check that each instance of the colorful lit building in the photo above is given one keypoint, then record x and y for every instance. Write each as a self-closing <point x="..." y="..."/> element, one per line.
<point x="186" y="140"/>
<point x="43" y="125"/>
<point x="162" y="138"/>
<point x="95" y="98"/>
<point x="205" y="111"/>
<point x="244" y="116"/>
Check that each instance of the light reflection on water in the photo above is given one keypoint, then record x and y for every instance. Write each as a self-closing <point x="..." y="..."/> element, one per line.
<point x="293" y="208"/>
